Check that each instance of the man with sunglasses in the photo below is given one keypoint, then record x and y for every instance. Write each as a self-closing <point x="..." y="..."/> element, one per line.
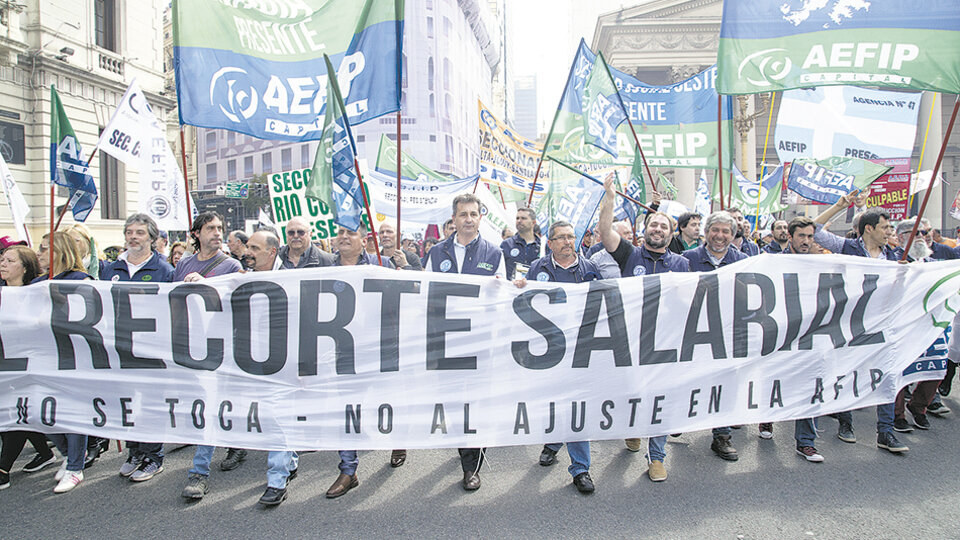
<point x="299" y="251"/>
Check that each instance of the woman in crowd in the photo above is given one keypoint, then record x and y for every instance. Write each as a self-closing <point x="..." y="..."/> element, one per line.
<point x="87" y="248"/>
<point x="18" y="267"/>
<point x="68" y="264"/>
<point x="177" y="249"/>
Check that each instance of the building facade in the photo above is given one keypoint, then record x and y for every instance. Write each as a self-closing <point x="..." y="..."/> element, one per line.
<point x="90" y="50"/>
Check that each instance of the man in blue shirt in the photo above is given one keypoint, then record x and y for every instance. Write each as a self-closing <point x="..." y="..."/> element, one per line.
<point x="524" y="247"/>
<point x="465" y="252"/>
<point x="565" y="266"/>
<point x="652" y="257"/>
<point x="781" y="237"/>
<point x="873" y="226"/>
<point x="140" y="263"/>
<point x="741" y="237"/>
<point x="720" y="228"/>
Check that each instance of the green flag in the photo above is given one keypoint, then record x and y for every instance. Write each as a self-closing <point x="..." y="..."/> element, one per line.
<point x="602" y="109"/>
<point x="637" y="186"/>
<point x="745" y="192"/>
<point x="409" y="167"/>
<point x="669" y="191"/>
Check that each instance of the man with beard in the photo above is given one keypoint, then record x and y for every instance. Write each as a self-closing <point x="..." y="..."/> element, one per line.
<point x="873" y="227"/>
<point x="299" y="251"/>
<point x="716" y="251"/>
<point x="401" y="258"/>
<point x="652" y="257"/>
<point x="565" y="266"/>
<point x="524" y="247"/>
<point x="741" y="238"/>
<point x="781" y="237"/>
<point x="465" y="252"/>
<point x="261" y="255"/>
<point x="140" y="262"/>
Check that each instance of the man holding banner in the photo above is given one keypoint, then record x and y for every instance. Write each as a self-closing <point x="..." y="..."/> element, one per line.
<point x="565" y="266"/>
<point x="652" y="257"/>
<point x="464" y="252"/>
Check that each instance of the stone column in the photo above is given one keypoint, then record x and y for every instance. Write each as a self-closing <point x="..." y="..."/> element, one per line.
<point x="934" y="211"/>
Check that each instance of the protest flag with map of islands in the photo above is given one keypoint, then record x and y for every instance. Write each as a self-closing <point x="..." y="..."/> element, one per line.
<point x="771" y="45"/>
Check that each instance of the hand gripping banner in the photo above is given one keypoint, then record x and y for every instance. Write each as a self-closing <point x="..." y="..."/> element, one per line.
<point x="368" y="358"/>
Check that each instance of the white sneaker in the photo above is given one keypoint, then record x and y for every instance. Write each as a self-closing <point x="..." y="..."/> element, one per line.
<point x="62" y="471"/>
<point x="130" y="465"/>
<point x="70" y="480"/>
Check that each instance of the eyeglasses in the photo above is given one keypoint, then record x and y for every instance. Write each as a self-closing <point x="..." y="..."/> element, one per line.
<point x="923" y="232"/>
<point x="291" y="232"/>
<point x="565" y="238"/>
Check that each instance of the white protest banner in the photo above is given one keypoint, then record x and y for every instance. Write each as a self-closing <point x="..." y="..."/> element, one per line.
<point x="369" y="358"/>
<point x="288" y="200"/>
<point x="136" y="137"/>
<point x="15" y="201"/>
<point x="422" y="200"/>
<point x="846" y="121"/>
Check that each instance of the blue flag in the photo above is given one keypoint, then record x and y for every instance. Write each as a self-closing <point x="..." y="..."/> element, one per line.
<point x="67" y="166"/>
<point x="603" y="110"/>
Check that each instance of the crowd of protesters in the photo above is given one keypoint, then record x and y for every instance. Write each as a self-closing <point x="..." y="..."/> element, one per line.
<point x="657" y="243"/>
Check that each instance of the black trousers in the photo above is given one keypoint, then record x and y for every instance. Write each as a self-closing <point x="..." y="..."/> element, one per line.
<point x="471" y="458"/>
<point x="13" y="443"/>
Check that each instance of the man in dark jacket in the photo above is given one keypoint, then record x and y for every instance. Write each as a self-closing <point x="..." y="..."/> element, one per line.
<point x="299" y="251"/>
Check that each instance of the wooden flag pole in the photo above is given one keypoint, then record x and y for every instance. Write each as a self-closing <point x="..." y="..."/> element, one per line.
<point x="588" y="177"/>
<point x="398" y="233"/>
<point x="936" y="170"/>
<point x="719" y="178"/>
<point x="50" y="238"/>
<point x="366" y="205"/>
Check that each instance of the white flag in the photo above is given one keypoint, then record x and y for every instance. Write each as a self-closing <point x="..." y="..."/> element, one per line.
<point x="702" y="203"/>
<point x="263" y="220"/>
<point x="920" y="181"/>
<point x="18" y="205"/>
<point x="136" y="137"/>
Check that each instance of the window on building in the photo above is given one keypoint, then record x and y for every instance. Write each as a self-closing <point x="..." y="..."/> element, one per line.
<point x="248" y="166"/>
<point x="433" y="138"/>
<point x="266" y="163"/>
<point x="430" y="73"/>
<point x="211" y="141"/>
<point x="211" y="173"/>
<point x="111" y="188"/>
<point x="231" y="139"/>
<point x="232" y="170"/>
<point x="105" y="23"/>
<point x="446" y="73"/>
<point x="447" y="27"/>
<point x="286" y="159"/>
<point x="361" y="138"/>
<point x="429" y="4"/>
<point x="449" y="147"/>
<point x="447" y="106"/>
<point x="433" y="106"/>
<point x="429" y="27"/>
<point x="305" y="160"/>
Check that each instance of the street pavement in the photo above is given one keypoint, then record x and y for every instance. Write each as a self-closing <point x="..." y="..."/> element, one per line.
<point x="860" y="491"/>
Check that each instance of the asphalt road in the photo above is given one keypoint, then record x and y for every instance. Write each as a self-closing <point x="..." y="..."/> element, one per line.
<point x="771" y="492"/>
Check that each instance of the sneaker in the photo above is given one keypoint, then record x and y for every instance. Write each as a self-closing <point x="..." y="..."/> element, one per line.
<point x="4" y="480"/>
<point x="235" y="456"/>
<point x="196" y="487"/>
<point x="148" y="469"/>
<point x="130" y="465"/>
<point x="810" y="454"/>
<point x="656" y="471"/>
<point x="722" y="447"/>
<point x="845" y="433"/>
<point x="901" y="425"/>
<point x="584" y="483"/>
<point x="766" y="430"/>
<point x="938" y="409"/>
<point x="920" y="420"/>
<point x="38" y="463"/>
<point x="888" y="442"/>
<point x="633" y="445"/>
<point x="62" y="471"/>
<point x="70" y="480"/>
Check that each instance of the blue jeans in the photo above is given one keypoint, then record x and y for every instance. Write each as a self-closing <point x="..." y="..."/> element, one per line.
<point x="201" y="460"/>
<point x="154" y="451"/>
<point x="804" y="431"/>
<point x="349" y="461"/>
<point x="885" y="414"/>
<point x="579" y="456"/>
<point x="279" y="465"/>
<point x="73" y="446"/>
<point x="655" y="448"/>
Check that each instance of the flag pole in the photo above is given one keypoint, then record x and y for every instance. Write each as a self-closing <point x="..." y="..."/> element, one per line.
<point x="186" y="181"/>
<point x="936" y="170"/>
<point x="502" y="201"/>
<point x="636" y="139"/>
<point x="591" y="178"/>
<point x="366" y="204"/>
<point x="719" y="178"/>
<point x="766" y="140"/>
<point x="50" y="238"/>
<point x="923" y="148"/>
<point x="398" y="233"/>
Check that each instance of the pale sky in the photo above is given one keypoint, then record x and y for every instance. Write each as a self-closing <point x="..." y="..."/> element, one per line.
<point x="544" y="35"/>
